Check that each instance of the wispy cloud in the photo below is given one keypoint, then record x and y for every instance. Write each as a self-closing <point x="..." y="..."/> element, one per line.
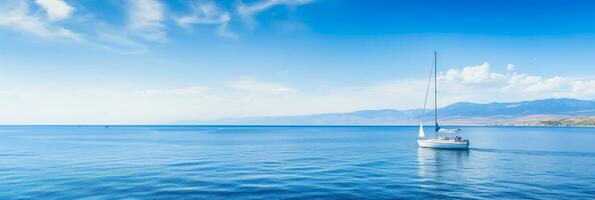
<point x="204" y="13"/>
<point x="22" y="16"/>
<point x="248" y="11"/>
<point x="56" y="9"/>
<point x="252" y="97"/>
<point x="250" y="85"/>
<point x="257" y="7"/>
<point x="146" y="18"/>
<point x="17" y="15"/>
<point x="119" y="43"/>
<point x="510" y="67"/>
<point x="146" y="21"/>
<point x="208" y="13"/>
<point x="190" y="91"/>
<point x="102" y="106"/>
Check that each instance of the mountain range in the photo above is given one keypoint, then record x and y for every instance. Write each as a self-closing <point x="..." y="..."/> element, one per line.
<point x="535" y="112"/>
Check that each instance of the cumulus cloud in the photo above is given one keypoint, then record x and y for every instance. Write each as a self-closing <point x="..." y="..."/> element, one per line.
<point x="146" y="18"/>
<point x="584" y="87"/>
<point x="482" y="83"/>
<point x="17" y="15"/>
<point x="56" y="9"/>
<point x="473" y="74"/>
<point x="527" y="83"/>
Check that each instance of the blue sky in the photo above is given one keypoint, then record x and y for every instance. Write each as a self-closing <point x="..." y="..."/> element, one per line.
<point x="150" y="61"/>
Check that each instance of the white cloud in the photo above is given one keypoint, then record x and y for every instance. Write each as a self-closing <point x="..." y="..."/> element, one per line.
<point x="16" y="15"/>
<point x="584" y="87"/>
<point x="56" y="9"/>
<point x="510" y="67"/>
<point x="208" y="13"/>
<point x="146" y="21"/>
<point x="251" y="97"/>
<point x="481" y="84"/>
<point x="119" y="43"/>
<point x="204" y="13"/>
<point x="20" y="16"/>
<point x="251" y="85"/>
<point x="224" y="31"/>
<point x="526" y="83"/>
<point x="146" y="18"/>
<point x="247" y="11"/>
<point x="257" y="7"/>
<point x="191" y="91"/>
<point x="109" y="106"/>
<point x="474" y="74"/>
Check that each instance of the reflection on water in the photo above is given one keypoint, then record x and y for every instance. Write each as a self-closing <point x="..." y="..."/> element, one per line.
<point x="435" y="163"/>
<point x="221" y="162"/>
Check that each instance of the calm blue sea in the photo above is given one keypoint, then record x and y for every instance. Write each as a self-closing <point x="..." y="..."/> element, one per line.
<point x="239" y="162"/>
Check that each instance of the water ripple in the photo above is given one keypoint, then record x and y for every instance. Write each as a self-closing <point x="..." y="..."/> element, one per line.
<point x="170" y="162"/>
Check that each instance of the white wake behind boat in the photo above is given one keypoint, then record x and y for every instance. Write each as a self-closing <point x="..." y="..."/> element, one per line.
<point x="439" y="141"/>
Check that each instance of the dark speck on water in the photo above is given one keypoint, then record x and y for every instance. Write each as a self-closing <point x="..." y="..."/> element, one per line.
<point x="285" y="162"/>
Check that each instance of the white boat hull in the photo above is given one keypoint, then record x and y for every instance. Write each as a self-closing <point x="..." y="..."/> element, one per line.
<point x="442" y="144"/>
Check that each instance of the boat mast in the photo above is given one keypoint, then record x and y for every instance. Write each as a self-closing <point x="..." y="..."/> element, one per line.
<point x="435" y="94"/>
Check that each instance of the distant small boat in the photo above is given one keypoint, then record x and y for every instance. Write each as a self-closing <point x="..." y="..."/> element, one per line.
<point x="439" y="141"/>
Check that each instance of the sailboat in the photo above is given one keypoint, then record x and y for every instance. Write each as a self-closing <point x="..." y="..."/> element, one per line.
<point x="443" y="138"/>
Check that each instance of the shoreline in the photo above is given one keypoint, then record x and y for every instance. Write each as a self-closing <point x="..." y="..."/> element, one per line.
<point x="287" y="125"/>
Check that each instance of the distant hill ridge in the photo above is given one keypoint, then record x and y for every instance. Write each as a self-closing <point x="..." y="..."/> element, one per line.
<point x="462" y="113"/>
<point x="564" y="106"/>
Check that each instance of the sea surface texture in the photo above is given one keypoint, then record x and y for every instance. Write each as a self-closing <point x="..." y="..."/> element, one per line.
<point x="243" y="162"/>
